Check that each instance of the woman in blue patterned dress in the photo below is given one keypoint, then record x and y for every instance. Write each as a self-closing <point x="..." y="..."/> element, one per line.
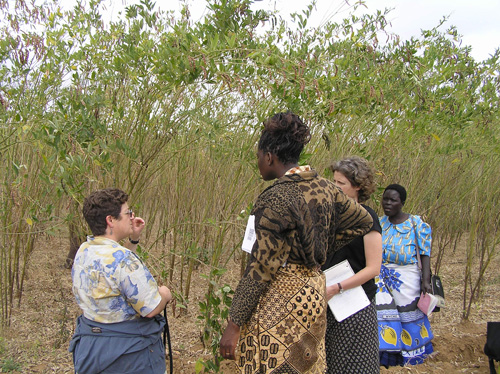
<point x="404" y="332"/>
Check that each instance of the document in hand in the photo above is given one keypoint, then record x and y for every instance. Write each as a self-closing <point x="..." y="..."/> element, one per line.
<point x="350" y="301"/>
<point x="427" y="303"/>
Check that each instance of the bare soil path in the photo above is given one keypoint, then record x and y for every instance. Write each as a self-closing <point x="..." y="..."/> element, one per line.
<point x="43" y="324"/>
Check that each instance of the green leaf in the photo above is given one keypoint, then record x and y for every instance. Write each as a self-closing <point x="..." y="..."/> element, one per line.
<point x="199" y="366"/>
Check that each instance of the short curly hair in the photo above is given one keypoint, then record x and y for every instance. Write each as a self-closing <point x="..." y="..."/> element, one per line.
<point x="284" y="135"/>
<point x="359" y="172"/>
<point x="100" y="204"/>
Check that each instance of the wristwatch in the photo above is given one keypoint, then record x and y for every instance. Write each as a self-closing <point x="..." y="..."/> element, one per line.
<point x="340" y="288"/>
<point x="133" y="241"/>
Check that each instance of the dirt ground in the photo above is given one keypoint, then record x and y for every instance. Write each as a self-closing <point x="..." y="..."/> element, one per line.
<point x="42" y="326"/>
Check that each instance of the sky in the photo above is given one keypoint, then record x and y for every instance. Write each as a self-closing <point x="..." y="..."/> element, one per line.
<point x="477" y="21"/>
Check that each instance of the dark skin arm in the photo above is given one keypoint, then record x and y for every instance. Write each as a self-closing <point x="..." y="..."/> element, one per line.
<point x="229" y="340"/>
<point x="391" y="203"/>
<point x="273" y="168"/>
<point x="426" y="274"/>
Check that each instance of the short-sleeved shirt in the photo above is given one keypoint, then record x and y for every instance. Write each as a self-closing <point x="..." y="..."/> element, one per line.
<point x="399" y="240"/>
<point x="110" y="282"/>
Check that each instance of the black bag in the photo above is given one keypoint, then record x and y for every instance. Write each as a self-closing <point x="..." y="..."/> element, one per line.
<point x="492" y="346"/>
<point x="438" y="291"/>
<point x="436" y="284"/>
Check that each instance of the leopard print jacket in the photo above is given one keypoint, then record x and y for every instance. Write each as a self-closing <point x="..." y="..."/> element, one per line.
<point x="300" y="219"/>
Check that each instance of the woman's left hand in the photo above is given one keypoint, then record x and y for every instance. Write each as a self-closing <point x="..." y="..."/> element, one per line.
<point x="137" y="226"/>
<point x="331" y="291"/>
<point x="426" y="286"/>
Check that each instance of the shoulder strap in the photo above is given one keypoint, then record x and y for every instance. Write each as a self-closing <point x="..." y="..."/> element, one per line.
<point x="416" y="243"/>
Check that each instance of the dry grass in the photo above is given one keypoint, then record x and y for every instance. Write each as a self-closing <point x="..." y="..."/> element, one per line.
<point x="42" y="326"/>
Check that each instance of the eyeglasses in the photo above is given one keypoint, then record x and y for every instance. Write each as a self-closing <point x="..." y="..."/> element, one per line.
<point x="130" y="213"/>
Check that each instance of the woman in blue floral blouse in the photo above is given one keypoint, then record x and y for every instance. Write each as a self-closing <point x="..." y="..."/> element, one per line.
<point x="404" y="331"/>
<point x="120" y="328"/>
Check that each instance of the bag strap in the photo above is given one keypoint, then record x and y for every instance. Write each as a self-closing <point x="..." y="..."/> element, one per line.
<point x="492" y="366"/>
<point x="166" y="338"/>
<point x="416" y="243"/>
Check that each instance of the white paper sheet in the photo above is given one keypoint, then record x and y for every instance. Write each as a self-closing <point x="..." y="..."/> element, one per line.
<point x="350" y="301"/>
<point x="250" y="235"/>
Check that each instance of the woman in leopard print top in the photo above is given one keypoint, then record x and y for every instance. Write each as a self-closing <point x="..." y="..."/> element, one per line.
<point x="278" y="313"/>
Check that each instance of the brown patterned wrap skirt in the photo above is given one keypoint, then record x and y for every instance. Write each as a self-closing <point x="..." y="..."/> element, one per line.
<point x="286" y="333"/>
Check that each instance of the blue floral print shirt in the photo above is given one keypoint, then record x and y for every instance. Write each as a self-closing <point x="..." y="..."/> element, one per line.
<point x="399" y="242"/>
<point x="110" y="282"/>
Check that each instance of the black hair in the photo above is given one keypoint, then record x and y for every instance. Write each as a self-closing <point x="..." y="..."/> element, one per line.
<point x="400" y="189"/>
<point x="285" y="136"/>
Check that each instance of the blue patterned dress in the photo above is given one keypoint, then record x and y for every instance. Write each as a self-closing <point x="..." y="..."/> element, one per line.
<point x="404" y="331"/>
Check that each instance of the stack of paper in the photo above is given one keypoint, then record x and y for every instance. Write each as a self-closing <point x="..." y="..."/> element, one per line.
<point x="350" y="301"/>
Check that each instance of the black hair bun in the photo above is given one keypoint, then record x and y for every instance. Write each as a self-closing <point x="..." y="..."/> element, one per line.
<point x="289" y="125"/>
